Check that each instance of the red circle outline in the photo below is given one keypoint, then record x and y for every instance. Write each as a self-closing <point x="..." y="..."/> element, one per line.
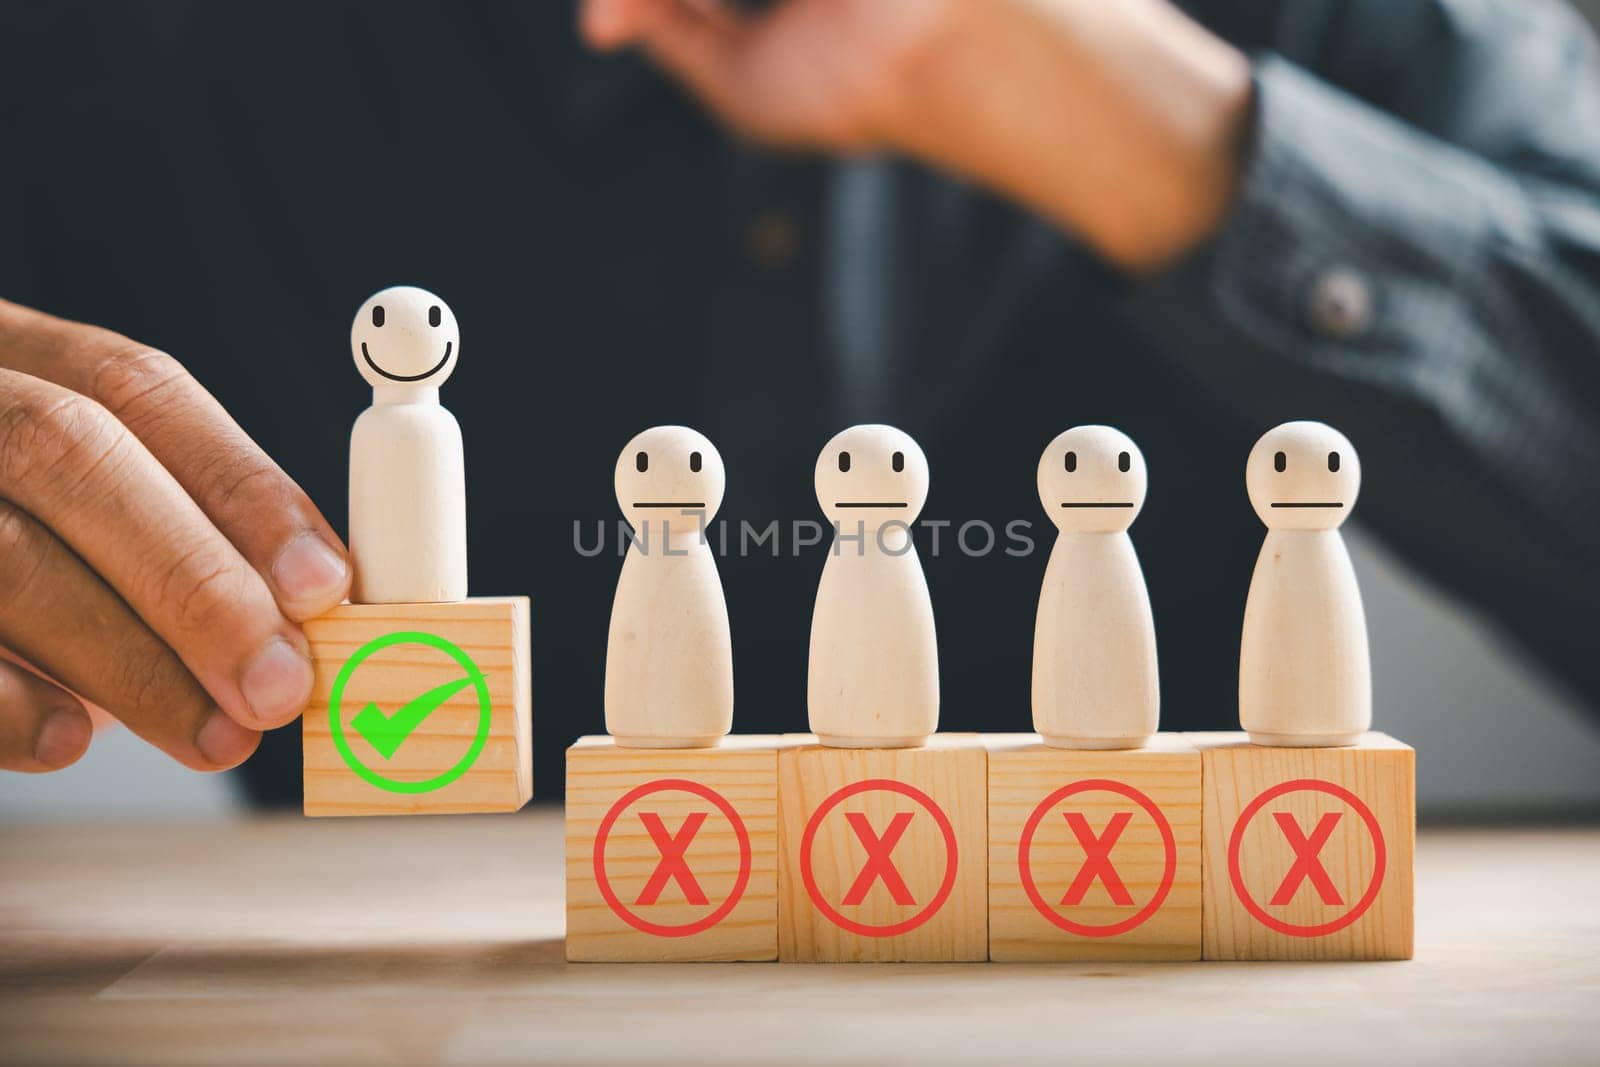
<point x="1380" y="857"/>
<point x="808" y="840"/>
<point x="704" y="792"/>
<point x="1169" y="846"/>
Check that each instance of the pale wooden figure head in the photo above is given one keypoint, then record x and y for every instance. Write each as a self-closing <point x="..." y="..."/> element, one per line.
<point x="1092" y="479"/>
<point x="670" y="475"/>
<point x="871" y="475"/>
<point x="405" y="337"/>
<point x="1303" y="476"/>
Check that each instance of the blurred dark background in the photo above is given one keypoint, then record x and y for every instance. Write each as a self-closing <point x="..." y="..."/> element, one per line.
<point x="234" y="181"/>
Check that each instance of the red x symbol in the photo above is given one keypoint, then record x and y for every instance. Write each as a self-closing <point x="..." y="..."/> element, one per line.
<point x="1097" y="858"/>
<point x="878" y="864"/>
<point x="672" y="865"/>
<point x="1306" y="864"/>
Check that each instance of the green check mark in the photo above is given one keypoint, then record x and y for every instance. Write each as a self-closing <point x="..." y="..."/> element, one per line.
<point x="386" y="733"/>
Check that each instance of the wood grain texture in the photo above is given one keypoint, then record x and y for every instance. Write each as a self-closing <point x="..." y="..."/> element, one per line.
<point x="743" y="771"/>
<point x="279" y="939"/>
<point x="1023" y="774"/>
<point x="950" y="771"/>
<point x="493" y="632"/>
<point x="1381" y="773"/>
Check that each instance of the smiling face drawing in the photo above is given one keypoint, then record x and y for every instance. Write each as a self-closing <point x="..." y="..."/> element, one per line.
<point x="1303" y="476"/>
<point x="405" y="336"/>
<point x="1092" y="479"/>
<point x="671" y="475"/>
<point x="871" y="475"/>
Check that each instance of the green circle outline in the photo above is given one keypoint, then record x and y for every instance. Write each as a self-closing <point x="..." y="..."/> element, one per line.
<point x="336" y="705"/>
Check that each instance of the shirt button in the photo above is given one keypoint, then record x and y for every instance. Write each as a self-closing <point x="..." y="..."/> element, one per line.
<point x="1339" y="304"/>
<point x="772" y="240"/>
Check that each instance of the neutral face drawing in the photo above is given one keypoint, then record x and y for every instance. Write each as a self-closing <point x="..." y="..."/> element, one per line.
<point x="871" y="475"/>
<point x="1092" y="479"/>
<point x="405" y="336"/>
<point x="671" y="475"/>
<point x="1303" y="476"/>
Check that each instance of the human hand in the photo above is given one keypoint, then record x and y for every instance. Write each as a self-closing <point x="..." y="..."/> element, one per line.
<point x="813" y="73"/>
<point x="153" y="560"/>
<point x="1121" y="122"/>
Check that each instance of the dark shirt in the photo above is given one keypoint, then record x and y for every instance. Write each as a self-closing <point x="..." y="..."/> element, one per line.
<point x="1414" y="257"/>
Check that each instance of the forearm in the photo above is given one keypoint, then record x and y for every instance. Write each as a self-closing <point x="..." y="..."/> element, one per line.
<point x="1443" y="310"/>
<point x="1121" y="122"/>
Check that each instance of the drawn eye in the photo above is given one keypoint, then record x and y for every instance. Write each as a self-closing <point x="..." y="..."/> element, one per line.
<point x="377" y="314"/>
<point x="1333" y="462"/>
<point x="434" y="315"/>
<point x="898" y="462"/>
<point x="1280" y="462"/>
<point x="641" y="462"/>
<point x="844" y="462"/>
<point x="1072" y="462"/>
<point x="694" y="462"/>
<point x="1124" y="461"/>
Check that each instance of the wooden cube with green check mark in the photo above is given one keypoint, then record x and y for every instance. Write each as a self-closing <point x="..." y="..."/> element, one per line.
<point x="419" y="709"/>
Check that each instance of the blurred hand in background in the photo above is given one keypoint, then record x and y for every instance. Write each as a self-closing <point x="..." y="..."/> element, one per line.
<point x="1138" y="156"/>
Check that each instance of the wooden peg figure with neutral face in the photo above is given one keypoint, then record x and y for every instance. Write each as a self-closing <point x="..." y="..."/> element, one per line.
<point x="408" y="497"/>
<point x="1304" y="671"/>
<point x="873" y="679"/>
<point x="1095" y="682"/>
<point x="669" y="655"/>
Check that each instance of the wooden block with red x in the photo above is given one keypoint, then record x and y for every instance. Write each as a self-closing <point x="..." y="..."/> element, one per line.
<point x="1094" y="855"/>
<point x="1308" y="851"/>
<point x="882" y="852"/>
<point x="672" y="854"/>
<point x="976" y="847"/>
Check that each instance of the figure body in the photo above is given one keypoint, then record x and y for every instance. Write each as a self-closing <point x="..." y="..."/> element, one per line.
<point x="408" y="497"/>
<point x="1305" y="677"/>
<point x="669" y="654"/>
<point x="1095" y="681"/>
<point x="873" y="678"/>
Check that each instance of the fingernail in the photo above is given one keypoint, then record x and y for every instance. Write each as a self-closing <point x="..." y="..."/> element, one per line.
<point x="307" y="569"/>
<point x="63" y="738"/>
<point x="277" y="682"/>
<point x="224" y="742"/>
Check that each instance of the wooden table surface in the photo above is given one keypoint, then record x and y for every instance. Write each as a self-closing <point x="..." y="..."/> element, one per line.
<point x="439" y="939"/>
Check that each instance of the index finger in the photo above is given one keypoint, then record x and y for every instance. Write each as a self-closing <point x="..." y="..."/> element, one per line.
<point x="249" y="498"/>
<point x="69" y="464"/>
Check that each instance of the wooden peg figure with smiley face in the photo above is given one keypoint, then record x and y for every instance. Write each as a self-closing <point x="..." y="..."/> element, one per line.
<point x="669" y="656"/>
<point x="1304" y="674"/>
<point x="1095" y="684"/>
<point x="873" y="678"/>
<point x="408" y="495"/>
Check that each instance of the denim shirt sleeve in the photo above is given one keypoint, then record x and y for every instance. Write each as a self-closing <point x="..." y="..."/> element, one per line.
<point x="1433" y="289"/>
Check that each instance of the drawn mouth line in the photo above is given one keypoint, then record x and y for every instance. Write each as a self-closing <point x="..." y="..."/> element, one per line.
<point x="669" y="504"/>
<point x="430" y="372"/>
<point x="1091" y="504"/>
<point x="870" y="504"/>
<point x="1310" y="504"/>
